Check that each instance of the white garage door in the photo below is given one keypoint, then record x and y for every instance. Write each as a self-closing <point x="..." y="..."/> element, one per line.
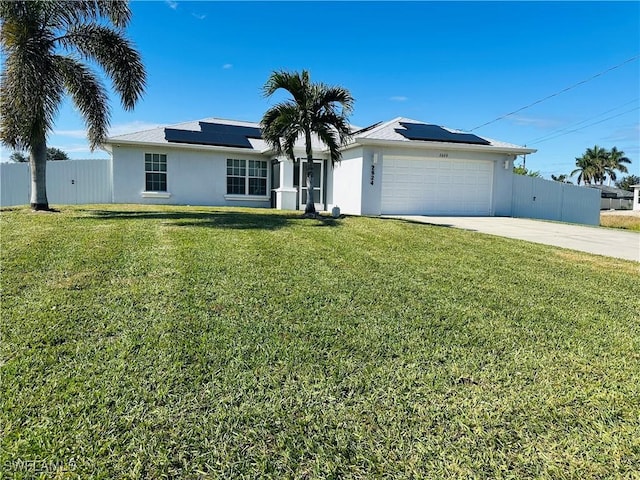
<point x="436" y="187"/>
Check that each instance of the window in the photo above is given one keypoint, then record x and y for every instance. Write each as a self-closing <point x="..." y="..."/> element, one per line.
<point x="246" y="177"/>
<point x="155" y="168"/>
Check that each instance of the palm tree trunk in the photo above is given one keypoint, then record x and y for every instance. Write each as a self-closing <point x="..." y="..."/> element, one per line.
<point x="38" y="164"/>
<point x="310" y="208"/>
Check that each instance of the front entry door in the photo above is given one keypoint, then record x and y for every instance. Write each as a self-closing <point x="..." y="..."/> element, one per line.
<point x="318" y="182"/>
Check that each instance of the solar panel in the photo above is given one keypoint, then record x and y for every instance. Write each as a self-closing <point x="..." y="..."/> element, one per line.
<point x="434" y="133"/>
<point x="218" y="134"/>
<point x="366" y="129"/>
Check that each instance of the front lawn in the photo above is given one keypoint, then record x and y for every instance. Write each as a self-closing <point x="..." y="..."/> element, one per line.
<point x="195" y="342"/>
<point x="627" y="222"/>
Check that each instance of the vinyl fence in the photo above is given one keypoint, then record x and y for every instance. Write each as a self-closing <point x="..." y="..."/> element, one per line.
<point x="616" y="204"/>
<point x="69" y="182"/>
<point x="549" y="200"/>
<point x="14" y="184"/>
<point x="89" y="181"/>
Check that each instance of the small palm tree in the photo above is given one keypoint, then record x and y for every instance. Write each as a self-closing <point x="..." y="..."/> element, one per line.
<point x="616" y="161"/>
<point x="315" y="108"/>
<point x="43" y="43"/>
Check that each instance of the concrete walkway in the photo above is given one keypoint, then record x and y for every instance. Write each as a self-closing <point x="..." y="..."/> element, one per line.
<point x="597" y="240"/>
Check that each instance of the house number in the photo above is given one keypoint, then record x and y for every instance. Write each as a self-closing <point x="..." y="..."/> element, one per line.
<point x="373" y="173"/>
<point x="444" y="155"/>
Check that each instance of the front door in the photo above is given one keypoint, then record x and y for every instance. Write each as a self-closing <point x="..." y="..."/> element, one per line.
<point x="318" y="182"/>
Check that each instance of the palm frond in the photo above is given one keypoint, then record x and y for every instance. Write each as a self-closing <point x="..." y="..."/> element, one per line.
<point x="31" y="89"/>
<point x="114" y="53"/>
<point x="88" y="94"/>
<point x="326" y="96"/>
<point x="331" y="139"/>
<point x="117" y="11"/>
<point x="281" y="127"/>
<point x="63" y="13"/>
<point x="297" y="85"/>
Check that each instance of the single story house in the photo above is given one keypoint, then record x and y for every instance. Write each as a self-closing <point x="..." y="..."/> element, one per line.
<point x="401" y="166"/>
<point x="612" y="198"/>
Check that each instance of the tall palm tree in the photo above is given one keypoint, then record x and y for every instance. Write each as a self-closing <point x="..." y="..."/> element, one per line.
<point x="315" y="108"/>
<point x="616" y="161"/>
<point x="47" y="48"/>
<point x="591" y="165"/>
<point x="586" y="170"/>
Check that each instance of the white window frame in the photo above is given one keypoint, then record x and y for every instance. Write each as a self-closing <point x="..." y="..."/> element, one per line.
<point x="156" y="193"/>
<point x="244" y="164"/>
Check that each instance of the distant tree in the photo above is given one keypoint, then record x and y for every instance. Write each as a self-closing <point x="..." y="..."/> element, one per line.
<point x="522" y="170"/>
<point x="315" y="108"/>
<point x="626" y="182"/>
<point x="597" y="164"/>
<point x="49" y="49"/>
<point x="52" y="154"/>
<point x="56" y="154"/>
<point x="561" y="178"/>
<point x="616" y="161"/>
<point x="590" y="166"/>
<point x="19" y="157"/>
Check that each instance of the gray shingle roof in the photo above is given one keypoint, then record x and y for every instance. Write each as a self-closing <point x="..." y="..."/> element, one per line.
<point x="612" y="192"/>
<point x="387" y="132"/>
<point x="381" y="132"/>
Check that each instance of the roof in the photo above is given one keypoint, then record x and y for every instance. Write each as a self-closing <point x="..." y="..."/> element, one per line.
<point x="157" y="136"/>
<point x="612" y="192"/>
<point x="199" y="133"/>
<point x="220" y="133"/>
<point x="393" y="131"/>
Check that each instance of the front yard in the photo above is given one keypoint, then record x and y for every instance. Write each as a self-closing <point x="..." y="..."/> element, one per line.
<point x="195" y="342"/>
<point x="626" y="219"/>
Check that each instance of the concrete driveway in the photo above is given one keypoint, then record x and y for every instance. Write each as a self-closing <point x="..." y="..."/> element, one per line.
<point x="597" y="240"/>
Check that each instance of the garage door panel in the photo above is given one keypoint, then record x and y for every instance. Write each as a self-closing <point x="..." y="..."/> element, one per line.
<point x="438" y="187"/>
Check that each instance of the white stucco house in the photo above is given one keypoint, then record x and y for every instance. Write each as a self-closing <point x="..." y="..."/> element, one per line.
<point x="401" y="166"/>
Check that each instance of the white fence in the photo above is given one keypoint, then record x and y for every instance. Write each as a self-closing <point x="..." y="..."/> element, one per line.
<point x="69" y="182"/>
<point x="549" y="200"/>
<point x="616" y="204"/>
<point x="14" y="184"/>
<point x="89" y="181"/>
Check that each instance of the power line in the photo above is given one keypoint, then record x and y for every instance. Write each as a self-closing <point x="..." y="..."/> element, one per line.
<point x="556" y="132"/>
<point x="589" y="125"/>
<point x="556" y="93"/>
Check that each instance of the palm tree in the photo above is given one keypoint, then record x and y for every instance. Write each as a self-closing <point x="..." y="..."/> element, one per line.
<point x="315" y="108"/>
<point x="615" y="161"/>
<point x="43" y="43"/>
<point x="591" y="165"/>
<point x="586" y="170"/>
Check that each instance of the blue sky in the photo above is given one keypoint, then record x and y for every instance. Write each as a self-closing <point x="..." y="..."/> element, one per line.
<point x="456" y="64"/>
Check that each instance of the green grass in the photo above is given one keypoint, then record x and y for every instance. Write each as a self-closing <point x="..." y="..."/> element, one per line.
<point x="180" y="342"/>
